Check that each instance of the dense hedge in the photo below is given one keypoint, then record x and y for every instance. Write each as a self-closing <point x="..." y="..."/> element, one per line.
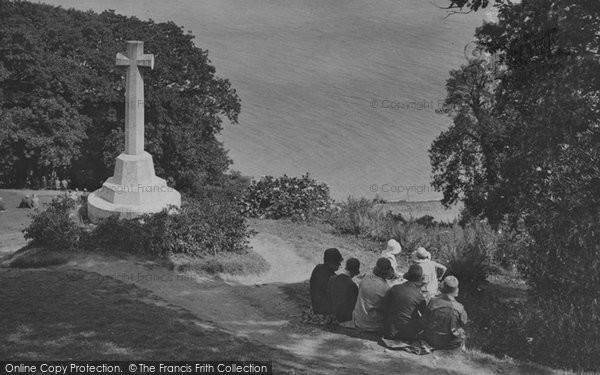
<point x="202" y="227"/>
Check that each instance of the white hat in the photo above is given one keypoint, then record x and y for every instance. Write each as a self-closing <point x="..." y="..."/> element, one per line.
<point x="422" y="253"/>
<point x="393" y="247"/>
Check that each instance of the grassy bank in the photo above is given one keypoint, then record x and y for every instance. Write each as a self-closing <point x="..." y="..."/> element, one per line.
<point x="491" y="305"/>
<point x="75" y="315"/>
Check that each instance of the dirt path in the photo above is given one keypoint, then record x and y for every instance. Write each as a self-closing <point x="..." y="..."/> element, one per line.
<point x="286" y="265"/>
<point x="266" y="309"/>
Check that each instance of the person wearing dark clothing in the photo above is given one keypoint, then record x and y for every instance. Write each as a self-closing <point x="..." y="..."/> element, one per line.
<point x="404" y="305"/>
<point x="332" y="259"/>
<point x="342" y="291"/>
<point x="26" y="202"/>
<point x="445" y="318"/>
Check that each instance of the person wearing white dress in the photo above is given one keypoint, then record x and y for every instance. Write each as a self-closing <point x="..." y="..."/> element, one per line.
<point x="430" y="268"/>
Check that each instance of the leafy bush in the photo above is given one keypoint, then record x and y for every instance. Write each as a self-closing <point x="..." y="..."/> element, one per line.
<point x="347" y="216"/>
<point x="202" y="227"/>
<point x="427" y="221"/>
<point x="511" y="252"/>
<point x="469" y="251"/>
<point x="57" y="226"/>
<point x="469" y="265"/>
<point x="496" y="323"/>
<point x="554" y="331"/>
<point x="365" y="218"/>
<point x="286" y="197"/>
<point x="563" y="332"/>
<point x="562" y="268"/>
<point x="209" y="226"/>
<point x="471" y="260"/>
<point x="122" y="236"/>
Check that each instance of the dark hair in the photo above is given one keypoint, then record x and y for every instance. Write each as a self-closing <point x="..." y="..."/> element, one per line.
<point x="383" y="268"/>
<point x="414" y="274"/>
<point x="332" y="255"/>
<point x="353" y="265"/>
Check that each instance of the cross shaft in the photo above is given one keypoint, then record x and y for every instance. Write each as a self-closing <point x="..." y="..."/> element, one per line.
<point x="134" y="93"/>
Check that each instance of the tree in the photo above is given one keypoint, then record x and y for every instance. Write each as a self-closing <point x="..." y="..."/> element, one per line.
<point x="516" y="120"/>
<point x="33" y="140"/>
<point x="468" y="6"/>
<point x="67" y="56"/>
<point x="465" y="158"/>
<point x="525" y="146"/>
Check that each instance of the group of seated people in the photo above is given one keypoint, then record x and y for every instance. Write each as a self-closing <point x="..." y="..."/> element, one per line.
<point x="30" y="202"/>
<point x="407" y="308"/>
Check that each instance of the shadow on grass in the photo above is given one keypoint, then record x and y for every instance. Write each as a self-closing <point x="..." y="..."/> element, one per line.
<point x="36" y="257"/>
<point x="76" y="315"/>
<point x="62" y="314"/>
<point x="298" y="294"/>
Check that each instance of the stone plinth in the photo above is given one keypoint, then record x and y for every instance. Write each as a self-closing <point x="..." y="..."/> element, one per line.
<point x="133" y="190"/>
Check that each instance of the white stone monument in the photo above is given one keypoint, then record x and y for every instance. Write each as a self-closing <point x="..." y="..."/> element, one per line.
<point x="134" y="189"/>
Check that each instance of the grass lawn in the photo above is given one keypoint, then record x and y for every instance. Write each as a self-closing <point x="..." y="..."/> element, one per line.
<point x="14" y="219"/>
<point x="74" y="315"/>
<point x="311" y="240"/>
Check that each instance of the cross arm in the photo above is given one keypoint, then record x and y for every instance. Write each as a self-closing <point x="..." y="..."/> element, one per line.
<point x="122" y="59"/>
<point x="146" y="60"/>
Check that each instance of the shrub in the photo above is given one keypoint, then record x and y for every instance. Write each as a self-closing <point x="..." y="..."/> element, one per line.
<point x="286" y="197"/>
<point x="348" y="217"/>
<point x="469" y="265"/>
<point x="563" y="332"/>
<point x="562" y="268"/>
<point x="122" y="236"/>
<point x="471" y="259"/>
<point x="202" y="227"/>
<point x="230" y="186"/>
<point x="511" y="252"/>
<point x="495" y="324"/>
<point x="427" y="221"/>
<point x="206" y="226"/>
<point x="57" y="226"/>
<point x="379" y="200"/>
<point x="365" y="218"/>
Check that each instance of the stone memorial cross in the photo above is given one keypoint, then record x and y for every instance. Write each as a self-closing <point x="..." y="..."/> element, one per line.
<point x="133" y="189"/>
<point x="134" y="92"/>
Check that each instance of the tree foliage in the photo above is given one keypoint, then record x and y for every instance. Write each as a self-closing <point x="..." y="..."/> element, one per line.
<point x="525" y="124"/>
<point x="524" y="146"/>
<point x="62" y="97"/>
<point x="467" y="6"/>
